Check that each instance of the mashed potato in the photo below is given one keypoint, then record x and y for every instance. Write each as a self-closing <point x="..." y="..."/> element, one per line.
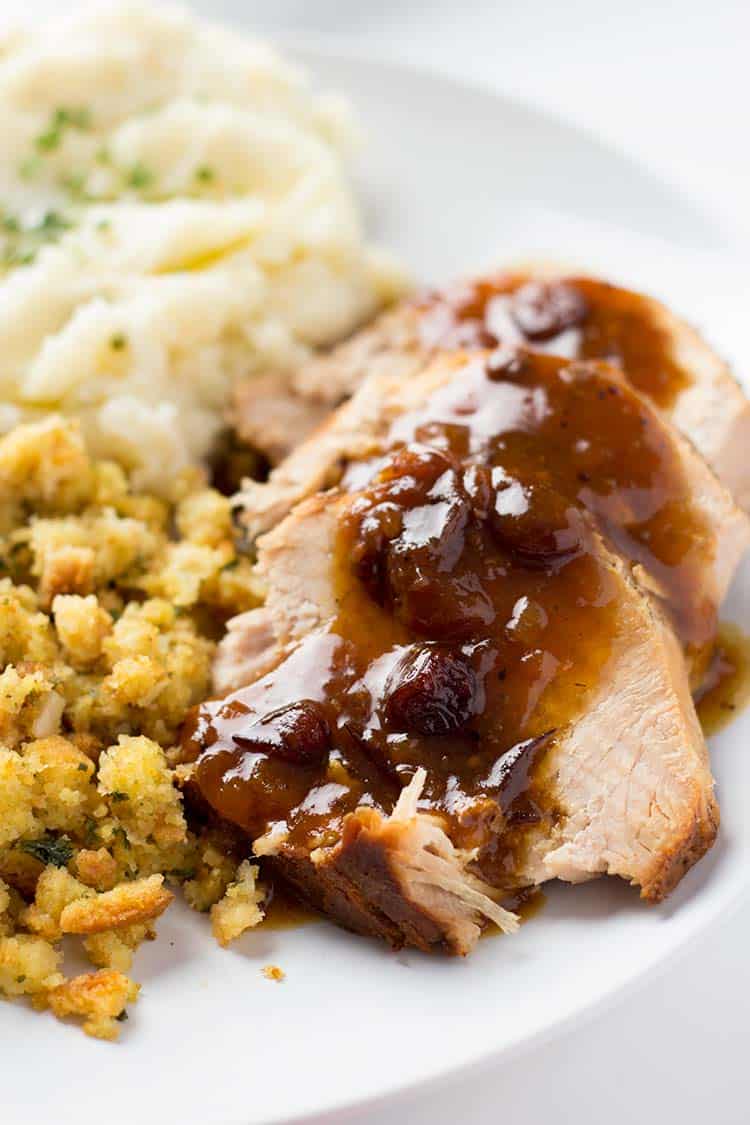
<point x="175" y="213"/>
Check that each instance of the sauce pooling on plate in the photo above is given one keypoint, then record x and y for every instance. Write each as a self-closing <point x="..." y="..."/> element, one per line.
<point x="476" y="609"/>
<point x="578" y="318"/>
<point x="726" y="689"/>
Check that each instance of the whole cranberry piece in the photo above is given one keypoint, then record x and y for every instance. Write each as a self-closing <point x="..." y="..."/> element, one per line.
<point x="431" y="692"/>
<point x="543" y="311"/>
<point x="298" y="733"/>
<point x="410" y="533"/>
<point x="380" y="524"/>
<point x="543" y="531"/>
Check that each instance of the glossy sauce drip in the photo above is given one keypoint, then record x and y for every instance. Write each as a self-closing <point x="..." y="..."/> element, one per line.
<point x="525" y="904"/>
<point x="578" y="318"/>
<point x="726" y="690"/>
<point x="285" y="912"/>
<point x="237" y="741"/>
<point x="476" y="612"/>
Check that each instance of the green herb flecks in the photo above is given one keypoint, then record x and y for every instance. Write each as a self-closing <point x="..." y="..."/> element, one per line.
<point x="52" y="225"/>
<point x="182" y="873"/>
<point x="75" y="185"/>
<point x="22" y="243"/>
<point x="55" y="850"/>
<point x="140" y="177"/>
<point x="62" y="119"/>
<point x="122" y="835"/>
<point x="28" y="168"/>
<point x="16" y="257"/>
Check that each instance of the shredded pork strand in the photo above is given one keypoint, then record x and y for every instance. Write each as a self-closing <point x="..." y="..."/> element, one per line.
<point x="432" y="861"/>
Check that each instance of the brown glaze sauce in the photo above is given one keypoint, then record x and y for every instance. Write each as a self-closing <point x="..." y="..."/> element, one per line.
<point x="476" y="611"/>
<point x="525" y="904"/>
<point x="578" y="318"/>
<point x="285" y="912"/>
<point x="726" y="690"/>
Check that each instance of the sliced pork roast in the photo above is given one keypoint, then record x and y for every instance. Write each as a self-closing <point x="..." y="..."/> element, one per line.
<point x="570" y="316"/>
<point x="456" y="687"/>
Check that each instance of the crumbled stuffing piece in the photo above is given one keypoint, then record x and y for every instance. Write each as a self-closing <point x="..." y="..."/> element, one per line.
<point x="81" y="624"/>
<point x="16" y="797"/>
<point x="56" y="889"/>
<point x="100" y="999"/>
<point x="240" y="908"/>
<point x="273" y="972"/>
<point x="97" y="869"/>
<point x="213" y="871"/>
<point x="28" y="965"/>
<point x="114" y="949"/>
<point x="126" y="904"/>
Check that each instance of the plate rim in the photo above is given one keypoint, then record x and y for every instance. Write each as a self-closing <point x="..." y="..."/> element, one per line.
<point x="504" y="1056"/>
<point x="346" y="49"/>
<point x="317" y="48"/>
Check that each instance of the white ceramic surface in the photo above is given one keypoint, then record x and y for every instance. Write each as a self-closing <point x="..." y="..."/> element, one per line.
<point x="454" y="179"/>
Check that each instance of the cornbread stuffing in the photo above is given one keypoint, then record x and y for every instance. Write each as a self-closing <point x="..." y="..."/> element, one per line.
<point x="110" y="602"/>
<point x="240" y="908"/>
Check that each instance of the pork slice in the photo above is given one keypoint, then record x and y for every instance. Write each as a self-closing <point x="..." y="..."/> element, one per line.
<point x="361" y="426"/>
<point x="351" y="431"/>
<point x="395" y="877"/>
<point x="255" y="639"/>
<point x="268" y="415"/>
<point x="275" y="413"/>
<point x="632" y="775"/>
<point x="629" y="782"/>
<point x="708" y="405"/>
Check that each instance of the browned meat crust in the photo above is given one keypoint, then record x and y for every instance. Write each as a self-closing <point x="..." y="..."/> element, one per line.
<point x="697" y="838"/>
<point x="357" y="887"/>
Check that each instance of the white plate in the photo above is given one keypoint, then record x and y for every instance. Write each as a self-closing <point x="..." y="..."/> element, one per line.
<point x="455" y="179"/>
